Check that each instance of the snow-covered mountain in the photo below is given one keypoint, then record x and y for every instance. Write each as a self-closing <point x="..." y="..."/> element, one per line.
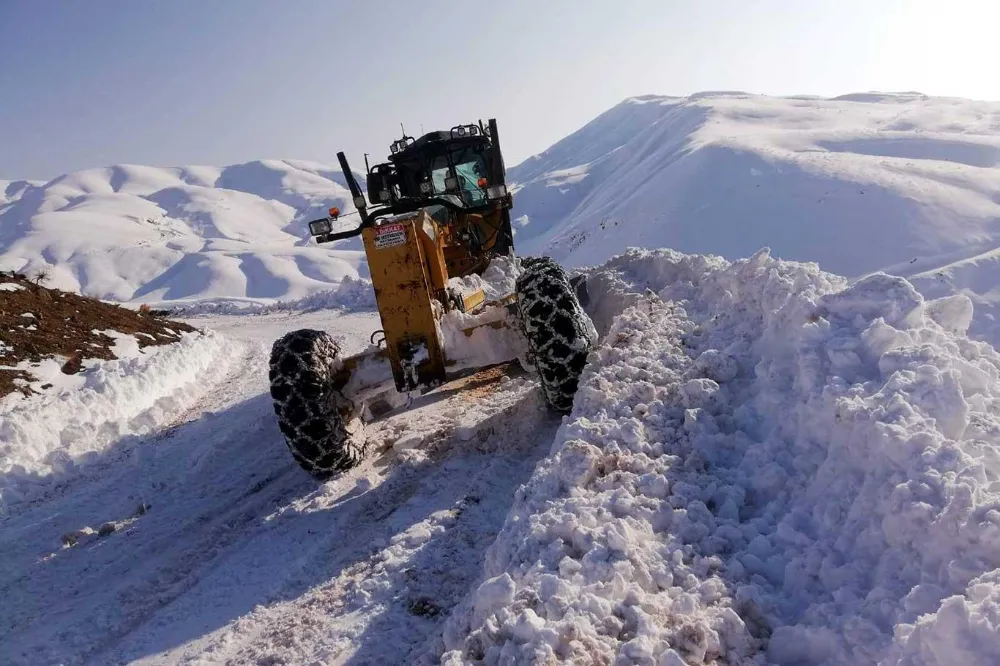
<point x="856" y="183"/>
<point x="863" y="182"/>
<point x="135" y="233"/>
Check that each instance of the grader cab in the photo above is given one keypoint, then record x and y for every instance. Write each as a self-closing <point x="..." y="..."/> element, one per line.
<point x="439" y="210"/>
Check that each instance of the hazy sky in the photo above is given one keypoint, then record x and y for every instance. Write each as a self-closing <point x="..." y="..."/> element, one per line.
<point x="169" y="82"/>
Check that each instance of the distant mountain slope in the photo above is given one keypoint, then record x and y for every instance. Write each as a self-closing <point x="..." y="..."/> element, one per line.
<point x="856" y="183"/>
<point x="136" y="233"/>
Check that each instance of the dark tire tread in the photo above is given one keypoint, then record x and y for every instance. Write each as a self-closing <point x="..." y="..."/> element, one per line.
<point x="559" y="333"/>
<point x="302" y="367"/>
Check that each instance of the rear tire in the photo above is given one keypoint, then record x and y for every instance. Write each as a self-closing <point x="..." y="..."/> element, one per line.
<point x="303" y="365"/>
<point x="559" y="333"/>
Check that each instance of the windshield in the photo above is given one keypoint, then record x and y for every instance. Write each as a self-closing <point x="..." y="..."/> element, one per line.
<point x="469" y="167"/>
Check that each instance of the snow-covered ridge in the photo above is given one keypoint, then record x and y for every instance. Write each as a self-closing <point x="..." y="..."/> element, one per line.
<point x="858" y="183"/>
<point x="896" y="181"/>
<point x="763" y="465"/>
<point x="148" y="234"/>
<point x="350" y="295"/>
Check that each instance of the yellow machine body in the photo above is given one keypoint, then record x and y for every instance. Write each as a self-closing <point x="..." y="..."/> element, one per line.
<point x="408" y="272"/>
<point x="410" y="259"/>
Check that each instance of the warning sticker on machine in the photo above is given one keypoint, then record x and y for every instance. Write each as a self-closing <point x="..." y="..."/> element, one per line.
<point x="389" y="235"/>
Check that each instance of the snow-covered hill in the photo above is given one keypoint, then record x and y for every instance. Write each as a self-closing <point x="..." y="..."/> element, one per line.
<point x="135" y="233"/>
<point x="857" y="183"/>
<point x="862" y="182"/>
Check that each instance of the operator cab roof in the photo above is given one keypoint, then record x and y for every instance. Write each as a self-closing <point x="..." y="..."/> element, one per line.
<point x="435" y="142"/>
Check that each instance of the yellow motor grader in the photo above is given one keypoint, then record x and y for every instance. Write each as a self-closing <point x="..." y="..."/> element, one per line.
<point x="440" y="210"/>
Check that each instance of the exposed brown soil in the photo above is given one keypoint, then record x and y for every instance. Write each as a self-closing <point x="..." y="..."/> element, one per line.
<point x="37" y="323"/>
<point x="484" y="383"/>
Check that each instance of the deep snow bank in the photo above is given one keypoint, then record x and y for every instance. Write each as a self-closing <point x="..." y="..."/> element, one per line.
<point x="763" y="465"/>
<point x="49" y="438"/>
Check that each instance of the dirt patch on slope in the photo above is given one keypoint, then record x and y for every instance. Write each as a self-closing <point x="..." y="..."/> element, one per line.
<point x="37" y="323"/>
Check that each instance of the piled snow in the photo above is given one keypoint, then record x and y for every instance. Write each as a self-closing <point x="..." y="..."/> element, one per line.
<point x="49" y="438"/>
<point x="474" y="340"/>
<point x="763" y="465"/>
<point x="492" y="335"/>
<point x="168" y="235"/>
<point x="497" y="281"/>
<point x="901" y="182"/>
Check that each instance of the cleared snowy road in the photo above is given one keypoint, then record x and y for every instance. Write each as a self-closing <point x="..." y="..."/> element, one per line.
<point x="241" y="557"/>
<point x="765" y="464"/>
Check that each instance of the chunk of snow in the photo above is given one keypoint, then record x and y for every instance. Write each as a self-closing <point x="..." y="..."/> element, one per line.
<point x="837" y="497"/>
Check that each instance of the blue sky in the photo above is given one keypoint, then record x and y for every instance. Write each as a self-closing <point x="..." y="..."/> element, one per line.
<point x="97" y="82"/>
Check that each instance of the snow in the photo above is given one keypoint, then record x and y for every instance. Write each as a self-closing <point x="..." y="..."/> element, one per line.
<point x="223" y="550"/>
<point x="141" y="234"/>
<point x="766" y="463"/>
<point x="902" y="182"/>
<point x="497" y="281"/>
<point x="826" y="494"/>
<point x="350" y="294"/>
<point x="49" y="438"/>
<point x="492" y="335"/>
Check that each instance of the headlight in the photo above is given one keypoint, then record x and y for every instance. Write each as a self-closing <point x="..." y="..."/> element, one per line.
<point x="359" y="202"/>
<point x="425" y="187"/>
<point x="383" y="196"/>
<point x="496" y="192"/>
<point x="319" y="227"/>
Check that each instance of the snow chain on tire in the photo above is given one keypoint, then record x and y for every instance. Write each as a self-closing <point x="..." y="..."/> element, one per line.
<point x="303" y="364"/>
<point x="559" y="333"/>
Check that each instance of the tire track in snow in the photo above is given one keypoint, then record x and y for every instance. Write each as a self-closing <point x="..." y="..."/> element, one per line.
<point x="400" y="543"/>
<point x="196" y="510"/>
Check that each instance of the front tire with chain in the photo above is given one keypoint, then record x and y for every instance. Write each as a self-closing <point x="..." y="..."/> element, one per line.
<point x="302" y="368"/>
<point x="559" y="333"/>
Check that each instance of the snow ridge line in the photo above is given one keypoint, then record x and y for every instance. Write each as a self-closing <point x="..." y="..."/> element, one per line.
<point x="763" y="466"/>
<point x="49" y="439"/>
<point x="351" y="294"/>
